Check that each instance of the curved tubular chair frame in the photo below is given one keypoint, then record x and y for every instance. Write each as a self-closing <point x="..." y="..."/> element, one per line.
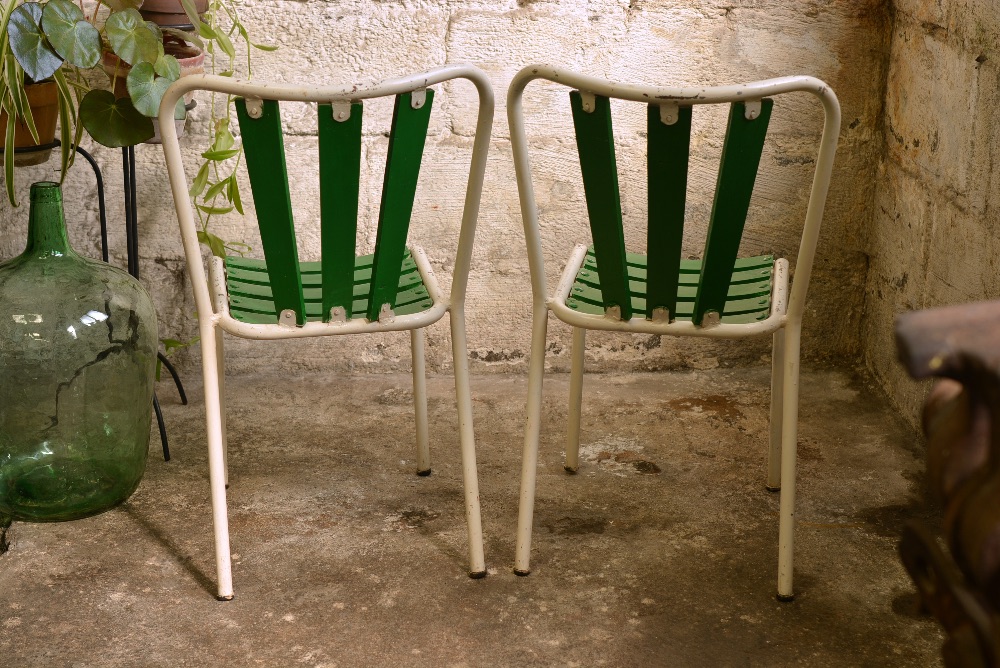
<point x="214" y="317"/>
<point x="784" y="321"/>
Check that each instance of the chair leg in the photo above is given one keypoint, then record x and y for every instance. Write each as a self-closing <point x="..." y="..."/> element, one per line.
<point x="777" y="382"/>
<point x="463" y="394"/>
<point x="529" y="459"/>
<point x="575" y="399"/>
<point x="789" y="444"/>
<point x="420" y="401"/>
<point x="216" y="459"/>
<point x="220" y="363"/>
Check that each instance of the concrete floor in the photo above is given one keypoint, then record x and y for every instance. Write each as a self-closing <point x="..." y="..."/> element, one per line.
<point x="662" y="551"/>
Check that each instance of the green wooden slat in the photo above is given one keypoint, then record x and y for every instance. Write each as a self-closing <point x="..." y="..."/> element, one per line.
<point x="748" y="296"/>
<point x="668" y="147"/>
<point x="264" y="151"/>
<point x="251" y="302"/>
<point x="737" y="173"/>
<point x="402" y="167"/>
<point x="339" y="179"/>
<point x="595" y="144"/>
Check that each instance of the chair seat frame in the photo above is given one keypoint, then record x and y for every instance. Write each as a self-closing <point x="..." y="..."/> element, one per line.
<point x="211" y="295"/>
<point x="784" y="321"/>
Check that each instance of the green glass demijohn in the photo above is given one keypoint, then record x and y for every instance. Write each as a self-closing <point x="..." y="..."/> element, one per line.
<point x="77" y="357"/>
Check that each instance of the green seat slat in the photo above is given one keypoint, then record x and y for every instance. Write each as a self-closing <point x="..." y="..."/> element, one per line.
<point x="402" y="167"/>
<point x="251" y="302"/>
<point x="748" y="297"/>
<point x="741" y="153"/>
<point x="595" y="144"/>
<point x="264" y="151"/>
<point x="668" y="147"/>
<point x="339" y="178"/>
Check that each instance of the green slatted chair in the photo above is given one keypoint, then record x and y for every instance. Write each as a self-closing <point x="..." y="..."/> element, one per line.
<point x="282" y="297"/>
<point x="720" y="295"/>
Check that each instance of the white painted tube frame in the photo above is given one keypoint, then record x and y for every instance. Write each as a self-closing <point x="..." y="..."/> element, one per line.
<point x="212" y="304"/>
<point x="784" y="322"/>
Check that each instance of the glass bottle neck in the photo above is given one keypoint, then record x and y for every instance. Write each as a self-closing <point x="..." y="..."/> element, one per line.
<point x="46" y="224"/>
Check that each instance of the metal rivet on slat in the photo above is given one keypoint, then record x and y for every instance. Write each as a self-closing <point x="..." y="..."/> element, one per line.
<point x="588" y="101"/>
<point x="341" y="111"/>
<point x="418" y="98"/>
<point x="255" y="107"/>
<point x="385" y="314"/>
<point x="669" y="113"/>
<point x="287" y="318"/>
<point x="338" y="315"/>
<point x="752" y="109"/>
<point x="711" y="319"/>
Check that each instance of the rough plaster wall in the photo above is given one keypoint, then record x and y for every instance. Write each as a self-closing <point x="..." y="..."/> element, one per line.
<point x="655" y="42"/>
<point x="935" y="238"/>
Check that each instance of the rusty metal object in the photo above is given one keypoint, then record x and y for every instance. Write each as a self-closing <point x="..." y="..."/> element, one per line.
<point x="961" y="345"/>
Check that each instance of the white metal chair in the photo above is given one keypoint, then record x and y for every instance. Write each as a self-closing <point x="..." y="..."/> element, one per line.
<point x="717" y="296"/>
<point x="282" y="298"/>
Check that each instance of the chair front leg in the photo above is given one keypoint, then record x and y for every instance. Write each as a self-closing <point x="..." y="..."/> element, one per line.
<point x="216" y="458"/>
<point x="789" y="443"/>
<point x="575" y="399"/>
<point x="463" y="395"/>
<point x="529" y="458"/>
<point x="777" y="396"/>
<point x="420" y="401"/>
<point x="220" y="365"/>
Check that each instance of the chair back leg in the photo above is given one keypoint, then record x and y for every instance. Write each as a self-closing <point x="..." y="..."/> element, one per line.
<point x="463" y="395"/>
<point x="575" y="399"/>
<point x="420" y="401"/>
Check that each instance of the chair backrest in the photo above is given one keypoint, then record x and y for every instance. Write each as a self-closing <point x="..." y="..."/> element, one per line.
<point x="339" y="130"/>
<point x="339" y="133"/>
<point x="668" y="146"/>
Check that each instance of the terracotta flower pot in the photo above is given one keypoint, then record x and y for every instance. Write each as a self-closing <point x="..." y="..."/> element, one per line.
<point x="169" y="12"/>
<point x="44" y="103"/>
<point x="190" y="58"/>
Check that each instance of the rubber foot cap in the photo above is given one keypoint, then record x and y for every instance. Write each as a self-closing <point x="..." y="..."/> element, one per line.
<point x="424" y="474"/>
<point x="477" y="575"/>
<point x="520" y="573"/>
<point x="772" y="489"/>
<point x="786" y="598"/>
<point x="224" y="598"/>
<point x="569" y="470"/>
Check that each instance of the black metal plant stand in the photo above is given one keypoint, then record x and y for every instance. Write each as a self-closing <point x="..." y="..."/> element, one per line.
<point x="131" y="249"/>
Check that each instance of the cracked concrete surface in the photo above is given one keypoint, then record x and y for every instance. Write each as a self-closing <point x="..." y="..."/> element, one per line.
<point x="661" y="551"/>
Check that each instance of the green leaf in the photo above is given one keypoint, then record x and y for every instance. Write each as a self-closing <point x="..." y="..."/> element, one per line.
<point x="216" y="188"/>
<point x="19" y="97"/>
<point x="131" y="38"/>
<point x="227" y="46"/>
<point x="70" y="35"/>
<point x="112" y="122"/>
<point x="200" y="181"/>
<point x="8" y="148"/>
<point x="223" y="137"/>
<point x="28" y="43"/>
<point x="185" y="35"/>
<point x="146" y="89"/>
<point x="192" y="12"/>
<point x="264" y="47"/>
<point x="157" y="33"/>
<point x="66" y="120"/>
<point x="215" y="210"/>
<point x="219" y="156"/>
<point x="215" y="244"/>
<point x="167" y="66"/>
<point x="234" y="194"/>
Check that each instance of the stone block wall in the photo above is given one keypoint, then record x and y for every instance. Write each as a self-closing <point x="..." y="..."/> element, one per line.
<point x="667" y="42"/>
<point x="935" y="232"/>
